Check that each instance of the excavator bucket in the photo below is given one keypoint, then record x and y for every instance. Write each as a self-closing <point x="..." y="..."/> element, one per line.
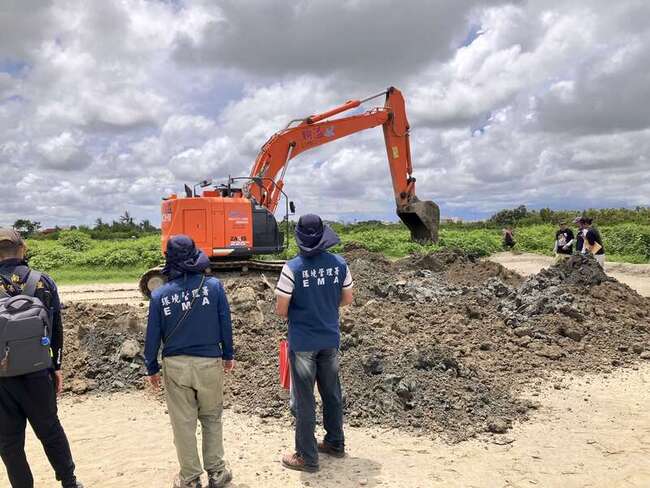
<point x="423" y="219"/>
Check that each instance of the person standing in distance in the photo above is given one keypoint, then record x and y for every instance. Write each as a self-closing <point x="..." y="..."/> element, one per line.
<point x="580" y="234"/>
<point x="32" y="397"/>
<point x="190" y="315"/>
<point x="564" y="239"/>
<point x="310" y="291"/>
<point x="594" y="242"/>
<point x="509" y="242"/>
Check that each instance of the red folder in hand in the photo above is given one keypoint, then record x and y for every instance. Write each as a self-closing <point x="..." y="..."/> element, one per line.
<point x="285" y="372"/>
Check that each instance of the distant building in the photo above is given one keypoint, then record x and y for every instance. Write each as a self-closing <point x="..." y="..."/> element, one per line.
<point x="452" y="220"/>
<point x="52" y="230"/>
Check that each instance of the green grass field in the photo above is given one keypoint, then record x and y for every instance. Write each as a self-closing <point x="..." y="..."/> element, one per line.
<point x="70" y="275"/>
<point x="623" y="242"/>
<point x="76" y="258"/>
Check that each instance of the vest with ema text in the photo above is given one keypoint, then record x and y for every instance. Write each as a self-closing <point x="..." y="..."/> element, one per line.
<point x="314" y="306"/>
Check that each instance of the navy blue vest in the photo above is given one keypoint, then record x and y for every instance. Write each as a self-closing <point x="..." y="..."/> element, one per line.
<point x="314" y="306"/>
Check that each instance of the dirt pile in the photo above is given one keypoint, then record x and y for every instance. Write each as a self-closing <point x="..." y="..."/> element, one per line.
<point x="551" y="291"/>
<point x="103" y="347"/>
<point x="440" y="343"/>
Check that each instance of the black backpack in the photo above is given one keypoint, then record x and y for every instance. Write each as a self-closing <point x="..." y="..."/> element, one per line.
<point x="25" y="331"/>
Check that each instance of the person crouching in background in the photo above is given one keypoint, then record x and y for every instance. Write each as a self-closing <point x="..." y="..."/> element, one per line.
<point x="508" y="238"/>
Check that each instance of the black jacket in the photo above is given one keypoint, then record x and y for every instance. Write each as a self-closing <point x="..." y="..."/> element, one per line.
<point x="14" y="273"/>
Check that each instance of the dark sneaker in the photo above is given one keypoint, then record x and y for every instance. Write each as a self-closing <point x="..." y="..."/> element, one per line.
<point x="179" y="483"/>
<point x="297" y="463"/>
<point x="330" y="450"/>
<point x="219" y="479"/>
<point x="74" y="484"/>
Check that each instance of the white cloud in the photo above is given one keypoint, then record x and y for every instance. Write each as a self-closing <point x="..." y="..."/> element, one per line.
<point x="368" y="40"/>
<point x="25" y="23"/>
<point x="63" y="152"/>
<point x="110" y="105"/>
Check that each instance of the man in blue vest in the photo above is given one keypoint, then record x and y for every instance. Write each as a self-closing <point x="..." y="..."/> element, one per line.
<point x="190" y="315"/>
<point x="310" y="291"/>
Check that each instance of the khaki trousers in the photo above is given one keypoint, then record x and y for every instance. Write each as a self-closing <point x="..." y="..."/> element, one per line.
<point x="601" y="260"/>
<point x="194" y="391"/>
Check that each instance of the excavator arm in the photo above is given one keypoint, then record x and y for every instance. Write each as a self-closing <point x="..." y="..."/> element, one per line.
<point x="422" y="218"/>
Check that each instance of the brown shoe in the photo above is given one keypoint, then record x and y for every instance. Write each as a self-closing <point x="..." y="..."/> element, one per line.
<point x="330" y="450"/>
<point x="219" y="479"/>
<point x="179" y="483"/>
<point x="297" y="463"/>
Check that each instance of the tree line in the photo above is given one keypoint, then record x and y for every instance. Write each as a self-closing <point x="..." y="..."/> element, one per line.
<point x="125" y="227"/>
<point x="521" y="216"/>
<point x="602" y="216"/>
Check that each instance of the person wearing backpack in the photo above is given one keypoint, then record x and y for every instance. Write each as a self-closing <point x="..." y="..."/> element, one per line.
<point x="31" y="345"/>
<point x="190" y="316"/>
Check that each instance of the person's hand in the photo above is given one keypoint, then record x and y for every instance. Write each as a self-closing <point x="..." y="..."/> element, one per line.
<point x="154" y="381"/>
<point x="58" y="382"/>
<point x="228" y="365"/>
<point x="566" y="248"/>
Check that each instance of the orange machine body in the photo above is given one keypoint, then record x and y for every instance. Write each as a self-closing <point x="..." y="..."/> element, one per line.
<point x="221" y="226"/>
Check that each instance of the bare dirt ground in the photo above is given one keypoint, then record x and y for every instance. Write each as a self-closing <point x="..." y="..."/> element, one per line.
<point x="107" y="293"/>
<point x="636" y="276"/>
<point x="594" y="432"/>
<point x="459" y="351"/>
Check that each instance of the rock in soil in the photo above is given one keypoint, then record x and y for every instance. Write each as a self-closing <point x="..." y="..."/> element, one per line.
<point x="497" y="426"/>
<point x="130" y="349"/>
<point x="638" y="348"/>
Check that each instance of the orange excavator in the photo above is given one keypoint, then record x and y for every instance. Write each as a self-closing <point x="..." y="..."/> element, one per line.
<point x="232" y="223"/>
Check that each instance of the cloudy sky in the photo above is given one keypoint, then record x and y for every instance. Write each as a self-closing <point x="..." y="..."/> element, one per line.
<point x="108" y="105"/>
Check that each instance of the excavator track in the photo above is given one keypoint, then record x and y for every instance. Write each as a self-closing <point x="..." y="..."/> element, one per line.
<point x="248" y="264"/>
<point x="154" y="278"/>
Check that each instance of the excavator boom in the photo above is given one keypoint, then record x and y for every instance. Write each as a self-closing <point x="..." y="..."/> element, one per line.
<point x="421" y="217"/>
<point x="232" y="225"/>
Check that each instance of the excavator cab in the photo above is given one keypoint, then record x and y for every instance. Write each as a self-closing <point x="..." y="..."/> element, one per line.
<point x="422" y="218"/>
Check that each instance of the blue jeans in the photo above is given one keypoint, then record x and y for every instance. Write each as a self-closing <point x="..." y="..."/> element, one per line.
<point x="307" y="368"/>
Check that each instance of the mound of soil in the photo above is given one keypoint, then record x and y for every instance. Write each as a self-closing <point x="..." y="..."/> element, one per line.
<point x="441" y="343"/>
<point x="103" y="345"/>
